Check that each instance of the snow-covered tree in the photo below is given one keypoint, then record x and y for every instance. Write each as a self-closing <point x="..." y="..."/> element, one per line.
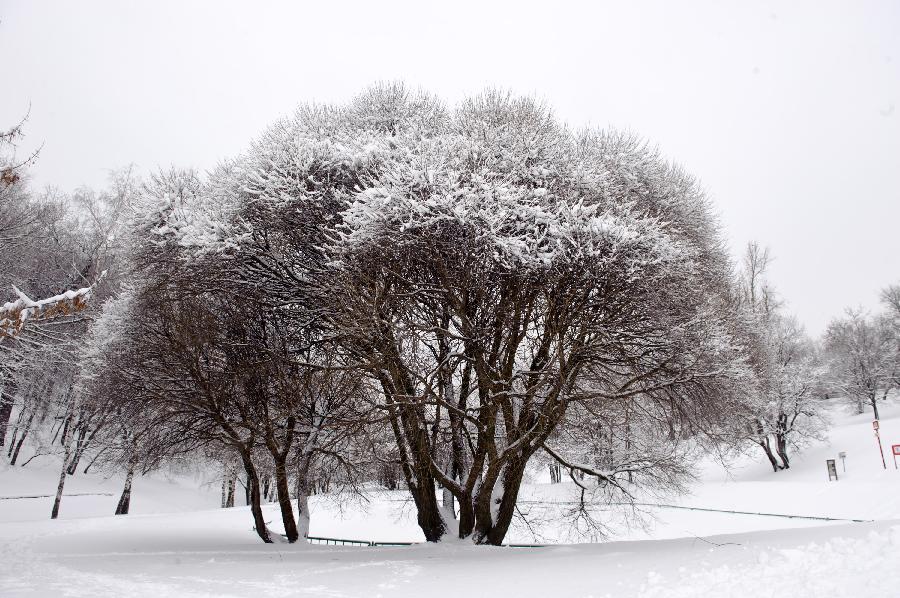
<point x="486" y="268"/>
<point x="890" y="297"/>
<point x="862" y="358"/>
<point x="224" y="363"/>
<point x="793" y="413"/>
<point x="785" y="409"/>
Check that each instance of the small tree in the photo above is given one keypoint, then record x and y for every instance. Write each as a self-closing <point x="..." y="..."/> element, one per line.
<point x="784" y="410"/>
<point x="793" y="413"/>
<point x="862" y="352"/>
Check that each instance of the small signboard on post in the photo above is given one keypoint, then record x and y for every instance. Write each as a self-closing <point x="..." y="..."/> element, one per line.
<point x="832" y="470"/>
<point x="843" y="457"/>
<point x="895" y="449"/>
<point x="875" y="426"/>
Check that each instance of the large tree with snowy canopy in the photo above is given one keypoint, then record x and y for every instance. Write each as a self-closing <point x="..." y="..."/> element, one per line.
<point x="485" y="268"/>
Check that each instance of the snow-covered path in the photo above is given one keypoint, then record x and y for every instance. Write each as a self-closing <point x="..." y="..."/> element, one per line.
<point x="209" y="554"/>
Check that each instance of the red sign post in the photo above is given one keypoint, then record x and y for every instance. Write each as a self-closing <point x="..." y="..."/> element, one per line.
<point x="895" y="449"/>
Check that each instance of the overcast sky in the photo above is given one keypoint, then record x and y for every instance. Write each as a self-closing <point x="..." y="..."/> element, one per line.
<point x="789" y="112"/>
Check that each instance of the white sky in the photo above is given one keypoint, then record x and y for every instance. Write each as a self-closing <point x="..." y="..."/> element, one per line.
<point x="789" y="112"/>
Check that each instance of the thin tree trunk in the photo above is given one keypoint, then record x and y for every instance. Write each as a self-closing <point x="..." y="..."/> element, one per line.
<point x="67" y="424"/>
<point x="555" y="473"/>
<point x="228" y="484"/>
<point x="7" y="395"/>
<point x="80" y="445"/>
<point x="628" y="442"/>
<point x="15" y="434"/>
<point x="232" y="482"/>
<point x="254" y="497"/>
<point x="125" y="499"/>
<point x="94" y="460"/>
<point x="224" y="485"/>
<point x="265" y="489"/>
<point x="21" y="441"/>
<point x="67" y="454"/>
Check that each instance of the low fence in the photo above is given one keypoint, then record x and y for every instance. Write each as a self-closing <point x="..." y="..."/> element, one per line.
<point x="783" y="515"/>
<point x="348" y="542"/>
<point x="704" y="509"/>
<point x="53" y="495"/>
<point x="371" y="543"/>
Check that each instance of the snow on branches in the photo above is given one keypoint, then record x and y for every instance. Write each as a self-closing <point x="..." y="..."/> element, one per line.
<point x="14" y="314"/>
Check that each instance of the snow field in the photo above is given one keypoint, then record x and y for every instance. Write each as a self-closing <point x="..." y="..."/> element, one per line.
<point x="177" y="543"/>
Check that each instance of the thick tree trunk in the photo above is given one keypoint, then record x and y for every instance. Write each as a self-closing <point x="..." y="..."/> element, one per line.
<point x="781" y="448"/>
<point x="496" y="505"/>
<point x="284" y="501"/>
<point x="428" y="516"/>
<point x="305" y="486"/>
<point x="874" y="402"/>
<point x="447" y="503"/>
<point x="415" y="458"/>
<point x="512" y="482"/>
<point x="254" y="498"/>
<point x="303" y="492"/>
<point x="766" y="447"/>
<point x="125" y="499"/>
<point x="466" y="516"/>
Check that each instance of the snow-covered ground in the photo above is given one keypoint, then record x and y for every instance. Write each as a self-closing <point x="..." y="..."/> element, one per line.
<point x="177" y="543"/>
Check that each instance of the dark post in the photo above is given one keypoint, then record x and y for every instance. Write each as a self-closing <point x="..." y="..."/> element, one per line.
<point x="832" y="470"/>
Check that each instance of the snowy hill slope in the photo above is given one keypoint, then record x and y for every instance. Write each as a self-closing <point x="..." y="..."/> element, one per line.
<point x="209" y="555"/>
<point x="177" y="543"/>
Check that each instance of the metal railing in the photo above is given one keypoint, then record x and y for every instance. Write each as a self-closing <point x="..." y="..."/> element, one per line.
<point x="372" y="543"/>
<point x="52" y="495"/>
<point x="348" y="542"/>
<point x="705" y="509"/>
